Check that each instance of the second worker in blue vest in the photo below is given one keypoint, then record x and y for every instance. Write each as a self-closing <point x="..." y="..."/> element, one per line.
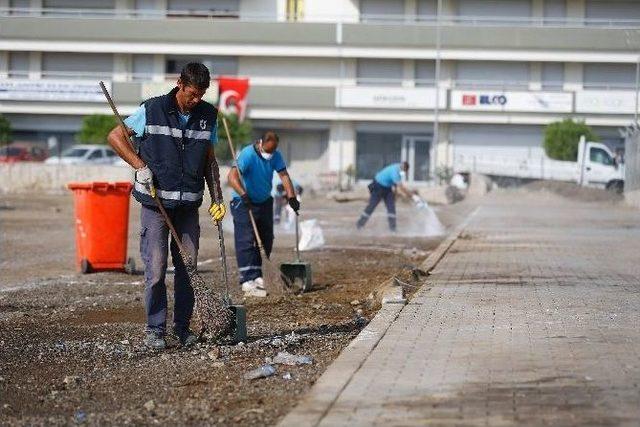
<point x="252" y="191"/>
<point x="175" y="157"/>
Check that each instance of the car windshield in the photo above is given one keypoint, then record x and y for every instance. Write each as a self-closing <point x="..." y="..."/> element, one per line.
<point x="10" y="151"/>
<point x="75" y="152"/>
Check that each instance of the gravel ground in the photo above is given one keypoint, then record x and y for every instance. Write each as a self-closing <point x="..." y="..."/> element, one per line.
<point x="71" y="345"/>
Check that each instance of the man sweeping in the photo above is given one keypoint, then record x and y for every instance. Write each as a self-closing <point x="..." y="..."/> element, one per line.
<point x="175" y="157"/>
<point x="252" y="191"/>
<point x="382" y="187"/>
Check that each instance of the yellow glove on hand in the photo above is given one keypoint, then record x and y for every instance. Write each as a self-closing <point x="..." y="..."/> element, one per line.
<point x="217" y="211"/>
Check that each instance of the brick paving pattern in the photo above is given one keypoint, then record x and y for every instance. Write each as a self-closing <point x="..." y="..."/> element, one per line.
<point x="531" y="318"/>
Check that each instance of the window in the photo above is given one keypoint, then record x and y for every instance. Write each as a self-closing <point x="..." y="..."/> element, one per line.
<point x="598" y="155"/>
<point x="492" y="74"/>
<point x="555" y="10"/>
<point x="142" y="67"/>
<point x="552" y="75"/>
<point x="612" y="12"/>
<point x="379" y="72"/>
<point x="609" y="76"/>
<point x="18" y="64"/>
<point x="498" y="9"/>
<point x="218" y="65"/>
<point x="96" y="154"/>
<point x="111" y="153"/>
<point x="77" y="65"/>
<point x="381" y="10"/>
<point x="427" y="10"/>
<point x="204" y="7"/>
<point x="75" y="152"/>
<point x="425" y="74"/>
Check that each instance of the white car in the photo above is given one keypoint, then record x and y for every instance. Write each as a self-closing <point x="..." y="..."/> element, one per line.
<point x="86" y="155"/>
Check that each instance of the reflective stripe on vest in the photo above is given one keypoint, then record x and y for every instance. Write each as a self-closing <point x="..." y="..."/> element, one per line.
<point x="171" y="195"/>
<point x="198" y="134"/>
<point x="163" y="130"/>
<point x="177" y="133"/>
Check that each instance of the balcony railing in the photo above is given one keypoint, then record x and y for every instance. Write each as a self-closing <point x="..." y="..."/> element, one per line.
<point x="375" y="19"/>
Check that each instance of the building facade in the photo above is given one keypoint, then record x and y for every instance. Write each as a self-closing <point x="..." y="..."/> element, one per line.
<point x="348" y="84"/>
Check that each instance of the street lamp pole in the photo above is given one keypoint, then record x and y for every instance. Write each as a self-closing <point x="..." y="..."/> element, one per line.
<point x="436" y="110"/>
<point x="635" y="113"/>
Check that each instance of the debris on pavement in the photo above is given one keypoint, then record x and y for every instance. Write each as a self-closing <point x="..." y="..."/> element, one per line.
<point x="261" y="372"/>
<point x="286" y="358"/>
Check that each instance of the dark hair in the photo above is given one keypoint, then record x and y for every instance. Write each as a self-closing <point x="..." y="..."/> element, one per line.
<point x="270" y="136"/>
<point x="195" y="74"/>
<point x="404" y="166"/>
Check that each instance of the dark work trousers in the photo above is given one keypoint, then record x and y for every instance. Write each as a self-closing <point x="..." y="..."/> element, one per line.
<point x="379" y="192"/>
<point x="154" y="248"/>
<point x="247" y="251"/>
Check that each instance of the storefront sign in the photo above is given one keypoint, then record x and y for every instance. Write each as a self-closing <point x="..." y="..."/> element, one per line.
<point x="389" y="97"/>
<point x="607" y="102"/>
<point x="151" y="89"/>
<point x="51" y="90"/>
<point x="545" y="102"/>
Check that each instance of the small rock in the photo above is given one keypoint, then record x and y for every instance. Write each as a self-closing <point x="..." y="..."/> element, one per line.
<point x="261" y="372"/>
<point x="150" y="405"/>
<point x="268" y="360"/>
<point x="355" y="302"/>
<point x="287" y="376"/>
<point x="80" y="417"/>
<point x="286" y="358"/>
<point x="359" y="312"/>
<point x="164" y="357"/>
<point x="217" y="365"/>
<point x="277" y="342"/>
<point x="317" y="306"/>
<point x="214" y="354"/>
<point x="124" y="342"/>
<point x="71" y="380"/>
<point x="240" y="344"/>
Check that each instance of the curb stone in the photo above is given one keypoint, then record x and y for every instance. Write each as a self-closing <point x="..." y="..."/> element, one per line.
<point x="318" y="401"/>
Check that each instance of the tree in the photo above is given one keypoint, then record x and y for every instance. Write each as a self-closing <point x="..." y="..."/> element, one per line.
<point x="5" y="130"/>
<point x="561" y="139"/>
<point x="95" y="128"/>
<point x="241" y="134"/>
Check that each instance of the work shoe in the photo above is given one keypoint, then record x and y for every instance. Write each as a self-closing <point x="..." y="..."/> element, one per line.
<point x="155" y="341"/>
<point x="186" y="337"/>
<point x="254" y="288"/>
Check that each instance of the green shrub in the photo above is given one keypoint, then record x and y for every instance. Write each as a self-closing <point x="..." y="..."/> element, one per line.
<point x="241" y="134"/>
<point x="561" y="139"/>
<point x="95" y="128"/>
<point x="5" y="130"/>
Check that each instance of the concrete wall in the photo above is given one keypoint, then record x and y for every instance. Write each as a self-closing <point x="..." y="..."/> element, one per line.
<point x="27" y="177"/>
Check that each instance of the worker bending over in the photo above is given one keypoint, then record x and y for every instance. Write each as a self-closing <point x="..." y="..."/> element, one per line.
<point x="252" y="191"/>
<point x="382" y="188"/>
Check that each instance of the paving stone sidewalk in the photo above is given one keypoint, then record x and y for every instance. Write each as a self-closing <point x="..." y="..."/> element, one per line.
<point x="531" y="318"/>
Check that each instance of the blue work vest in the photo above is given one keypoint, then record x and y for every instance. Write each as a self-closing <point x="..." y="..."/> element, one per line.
<point x="175" y="153"/>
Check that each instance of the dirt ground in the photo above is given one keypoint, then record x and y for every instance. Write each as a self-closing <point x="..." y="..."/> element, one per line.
<point x="71" y="345"/>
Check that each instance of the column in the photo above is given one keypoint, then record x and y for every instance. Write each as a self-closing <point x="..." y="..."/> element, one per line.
<point x="35" y="65"/>
<point x="535" y="76"/>
<point x="158" y="68"/>
<point x="4" y="64"/>
<point x="573" y="80"/>
<point x="122" y="67"/>
<point x="442" y="148"/>
<point x="342" y="148"/>
<point x="408" y="73"/>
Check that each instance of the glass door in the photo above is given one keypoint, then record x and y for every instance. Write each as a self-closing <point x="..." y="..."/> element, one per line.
<point x="415" y="151"/>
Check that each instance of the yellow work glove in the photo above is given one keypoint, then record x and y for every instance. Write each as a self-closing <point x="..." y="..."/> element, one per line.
<point x="217" y="211"/>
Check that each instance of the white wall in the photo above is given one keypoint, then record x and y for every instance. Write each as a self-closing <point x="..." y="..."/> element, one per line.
<point x="330" y="10"/>
<point x="263" y="9"/>
<point x="313" y="71"/>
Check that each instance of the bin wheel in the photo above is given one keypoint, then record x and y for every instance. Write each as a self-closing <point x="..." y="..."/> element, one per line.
<point x="85" y="267"/>
<point x="130" y="266"/>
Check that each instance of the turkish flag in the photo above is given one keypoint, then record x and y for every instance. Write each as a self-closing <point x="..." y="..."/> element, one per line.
<point x="233" y="95"/>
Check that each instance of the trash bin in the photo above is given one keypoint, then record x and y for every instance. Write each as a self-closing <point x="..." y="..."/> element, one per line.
<point x="102" y="225"/>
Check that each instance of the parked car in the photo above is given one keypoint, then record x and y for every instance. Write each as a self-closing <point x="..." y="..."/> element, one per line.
<point x="22" y="153"/>
<point x="85" y="154"/>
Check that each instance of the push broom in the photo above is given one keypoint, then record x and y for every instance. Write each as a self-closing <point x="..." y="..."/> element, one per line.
<point x="272" y="274"/>
<point x="211" y="314"/>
